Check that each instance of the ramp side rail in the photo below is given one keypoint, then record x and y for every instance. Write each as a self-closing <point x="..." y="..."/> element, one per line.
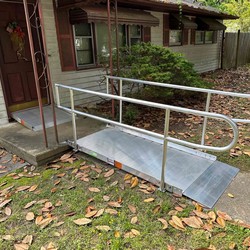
<point x="168" y="108"/>
<point x="209" y="93"/>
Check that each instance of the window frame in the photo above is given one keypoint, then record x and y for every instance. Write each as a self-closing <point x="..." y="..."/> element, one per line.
<point x="178" y="43"/>
<point x="92" y="37"/>
<point x="204" y="37"/>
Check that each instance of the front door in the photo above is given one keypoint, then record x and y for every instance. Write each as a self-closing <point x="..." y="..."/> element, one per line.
<point x="17" y="72"/>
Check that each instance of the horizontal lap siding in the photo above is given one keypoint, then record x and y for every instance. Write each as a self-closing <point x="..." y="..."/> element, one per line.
<point x="89" y="79"/>
<point x="205" y="57"/>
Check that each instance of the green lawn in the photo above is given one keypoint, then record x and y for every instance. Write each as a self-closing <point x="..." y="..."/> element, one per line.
<point x="63" y="196"/>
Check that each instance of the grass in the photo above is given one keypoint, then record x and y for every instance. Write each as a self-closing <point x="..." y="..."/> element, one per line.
<point x="71" y="236"/>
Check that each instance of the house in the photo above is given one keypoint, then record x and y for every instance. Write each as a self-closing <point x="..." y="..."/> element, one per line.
<point x="75" y="33"/>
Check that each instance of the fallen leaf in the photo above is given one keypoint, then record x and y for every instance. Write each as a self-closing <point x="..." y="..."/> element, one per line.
<point x="192" y="222"/>
<point x="172" y="212"/>
<point x="157" y="209"/>
<point x="230" y="195"/>
<point x="198" y="207"/>
<point x="212" y="215"/>
<point x="53" y="190"/>
<point x="114" y="204"/>
<point x="208" y="227"/>
<point x="38" y="219"/>
<point x="171" y="247"/>
<point x="164" y="223"/>
<point x="201" y="214"/>
<point x="99" y="213"/>
<point x="127" y="177"/>
<point x="60" y="175"/>
<point x="177" y="221"/>
<point x="30" y="204"/>
<point x="134" y="182"/>
<point x="82" y="221"/>
<point x="224" y="215"/>
<point x="232" y="245"/>
<point x="22" y="188"/>
<point x="21" y="246"/>
<point x="8" y="237"/>
<point x="4" y="203"/>
<point x="111" y="211"/>
<point x="129" y="235"/>
<point x="28" y="239"/>
<point x="109" y="173"/>
<point x="57" y="182"/>
<point x="33" y="188"/>
<point x="135" y="232"/>
<point x="66" y="156"/>
<point x="106" y="198"/>
<point x="179" y="209"/>
<point x="113" y="183"/>
<point x="117" y="234"/>
<point x="58" y="224"/>
<point x="44" y="223"/>
<point x="149" y="200"/>
<point x="48" y="204"/>
<point x="103" y="228"/>
<point x="91" y="214"/>
<point x="95" y="190"/>
<point x="132" y="209"/>
<point x="246" y="152"/>
<point x="221" y="222"/>
<point x="171" y="222"/>
<point x="134" y="220"/>
<point x="8" y="211"/>
<point x="30" y="216"/>
<point x="246" y="242"/>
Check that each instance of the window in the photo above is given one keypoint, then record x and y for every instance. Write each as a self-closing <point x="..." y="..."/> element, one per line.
<point x="102" y="38"/>
<point x="84" y="44"/>
<point x="204" y="37"/>
<point x="175" y="37"/>
<point x="199" y="37"/>
<point x="134" y="34"/>
<point x="209" y="36"/>
<point x="91" y="41"/>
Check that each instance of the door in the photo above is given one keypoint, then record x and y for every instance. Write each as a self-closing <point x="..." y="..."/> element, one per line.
<point x="17" y="73"/>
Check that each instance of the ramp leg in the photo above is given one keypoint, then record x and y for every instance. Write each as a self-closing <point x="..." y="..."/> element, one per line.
<point x="73" y="118"/>
<point x="165" y="146"/>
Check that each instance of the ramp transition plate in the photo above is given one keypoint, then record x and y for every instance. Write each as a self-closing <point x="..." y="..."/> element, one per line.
<point x="197" y="176"/>
<point x="30" y="118"/>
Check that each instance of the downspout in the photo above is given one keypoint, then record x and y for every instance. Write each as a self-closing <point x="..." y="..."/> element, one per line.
<point x="110" y="57"/>
<point x="32" y="50"/>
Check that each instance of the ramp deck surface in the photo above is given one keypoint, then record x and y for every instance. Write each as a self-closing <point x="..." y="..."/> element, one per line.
<point x="30" y="118"/>
<point x="195" y="174"/>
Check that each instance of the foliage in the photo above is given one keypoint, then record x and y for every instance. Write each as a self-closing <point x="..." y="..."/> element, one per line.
<point x="240" y="8"/>
<point x="130" y="114"/>
<point x="150" y="62"/>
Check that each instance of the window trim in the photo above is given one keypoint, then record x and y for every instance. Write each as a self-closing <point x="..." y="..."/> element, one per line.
<point x="79" y="66"/>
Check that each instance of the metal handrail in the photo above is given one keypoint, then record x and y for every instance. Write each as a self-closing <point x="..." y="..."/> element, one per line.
<point x="168" y="108"/>
<point x="209" y="93"/>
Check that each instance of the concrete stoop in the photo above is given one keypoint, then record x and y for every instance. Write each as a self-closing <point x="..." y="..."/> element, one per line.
<point x="29" y="145"/>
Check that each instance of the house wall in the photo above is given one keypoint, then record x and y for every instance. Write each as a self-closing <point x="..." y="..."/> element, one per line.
<point x="3" y="111"/>
<point x="205" y="57"/>
<point x="89" y="79"/>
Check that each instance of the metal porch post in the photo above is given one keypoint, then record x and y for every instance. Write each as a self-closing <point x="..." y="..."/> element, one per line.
<point x="52" y="103"/>
<point x="110" y="57"/>
<point x="32" y="50"/>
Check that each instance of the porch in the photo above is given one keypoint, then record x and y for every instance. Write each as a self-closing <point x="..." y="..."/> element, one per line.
<point x="28" y="145"/>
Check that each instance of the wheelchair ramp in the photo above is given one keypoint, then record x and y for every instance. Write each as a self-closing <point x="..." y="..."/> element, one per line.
<point x="30" y="118"/>
<point x="192" y="173"/>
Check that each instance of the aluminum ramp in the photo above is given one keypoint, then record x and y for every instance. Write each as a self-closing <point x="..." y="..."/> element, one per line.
<point x="192" y="173"/>
<point x="30" y="118"/>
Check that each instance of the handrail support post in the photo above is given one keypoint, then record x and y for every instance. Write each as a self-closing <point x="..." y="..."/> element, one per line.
<point x="205" y="119"/>
<point x="73" y="117"/>
<point x="120" y="90"/>
<point x="164" y="153"/>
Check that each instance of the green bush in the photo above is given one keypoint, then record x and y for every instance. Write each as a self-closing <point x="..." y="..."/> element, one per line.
<point x="150" y="62"/>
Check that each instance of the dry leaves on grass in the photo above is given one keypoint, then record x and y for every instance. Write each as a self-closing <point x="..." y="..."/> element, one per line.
<point x="164" y="223"/>
<point x="82" y="221"/>
<point x="103" y="228"/>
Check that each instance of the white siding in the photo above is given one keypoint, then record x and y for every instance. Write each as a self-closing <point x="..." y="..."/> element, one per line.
<point x="90" y="79"/>
<point x="3" y="111"/>
<point x="205" y="57"/>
